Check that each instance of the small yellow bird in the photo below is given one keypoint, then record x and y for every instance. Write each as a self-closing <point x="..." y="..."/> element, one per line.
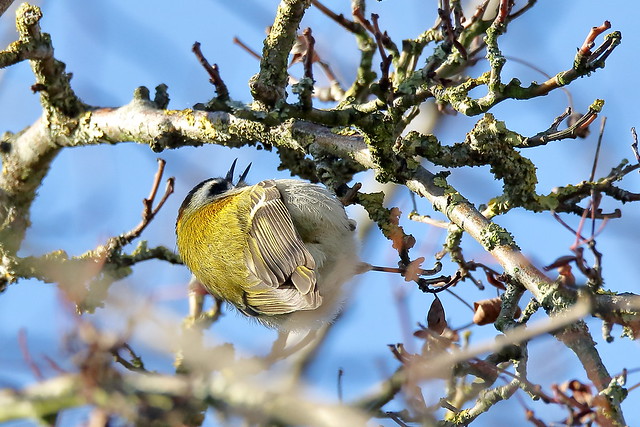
<point x="279" y="250"/>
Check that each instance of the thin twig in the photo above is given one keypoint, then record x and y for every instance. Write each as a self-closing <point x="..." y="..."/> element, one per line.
<point x="349" y="197"/>
<point x="385" y="64"/>
<point x="544" y="73"/>
<point x="309" y="54"/>
<point x="443" y="283"/>
<point x="553" y="134"/>
<point x="26" y="354"/>
<point x="250" y="51"/>
<point x="503" y="12"/>
<point x="358" y="15"/>
<point x="398" y="270"/>
<point x="595" y="198"/>
<point x="589" y="41"/>
<point x="583" y="219"/>
<point x="334" y="92"/>
<point x="565" y="225"/>
<point x="634" y="146"/>
<point x="135" y="366"/>
<point x="148" y="212"/>
<point x="214" y="73"/>
<point x="413" y="216"/>
<point x="447" y="25"/>
<point x="459" y="298"/>
<point x="340" y="19"/>
<point x="479" y="13"/>
<point x="54" y="365"/>
<point x="603" y="122"/>
<point x="522" y="10"/>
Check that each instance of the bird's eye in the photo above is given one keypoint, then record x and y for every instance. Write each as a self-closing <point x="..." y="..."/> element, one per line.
<point x="218" y="187"/>
<point x="208" y="188"/>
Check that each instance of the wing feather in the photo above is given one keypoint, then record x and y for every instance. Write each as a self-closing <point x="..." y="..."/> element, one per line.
<point x="277" y="257"/>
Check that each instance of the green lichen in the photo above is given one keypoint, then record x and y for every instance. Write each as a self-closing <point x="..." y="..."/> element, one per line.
<point x="26" y="17"/>
<point x="440" y="181"/>
<point x="187" y="114"/>
<point x="493" y="236"/>
<point x="373" y="204"/>
<point x="387" y="221"/>
<point x="459" y="418"/>
<point x="268" y="86"/>
<point x="380" y="142"/>
<point x="210" y="130"/>
<point x="141" y="93"/>
<point x="545" y="203"/>
<point x="87" y="130"/>
<point x="345" y="131"/>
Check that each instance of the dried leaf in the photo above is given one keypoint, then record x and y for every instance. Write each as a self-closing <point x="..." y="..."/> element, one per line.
<point x="436" y="317"/>
<point x="413" y="270"/>
<point x="422" y="333"/>
<point x="300" y="49"/>
<point x="566" y="277"/>
<point x="493" y="280"/>
<point x="487" y="311"/>
<point x="563" y="260"/>
<point x="400" y="240"/>
<point x="581" y="392"/>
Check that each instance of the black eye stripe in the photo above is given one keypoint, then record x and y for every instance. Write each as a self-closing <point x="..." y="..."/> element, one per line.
<point x="218" y="187"/>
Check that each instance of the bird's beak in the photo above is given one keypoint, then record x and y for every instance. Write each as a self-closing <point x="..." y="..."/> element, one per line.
<point x="244" y="175"/>
<point x="229" y="176"/>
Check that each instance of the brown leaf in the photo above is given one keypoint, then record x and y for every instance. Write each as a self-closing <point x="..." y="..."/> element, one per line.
<point x="400" y="240"/>
<point x="493" y="280"/>
<point x="581" y="392"/>
<point x="563" y="260"/>
<point x="487" y="311"/>
<point x="566" y="277"/>
<point x="300" y="49"/>
<point x="436" y="317"/>
<point x="413" y="270"/>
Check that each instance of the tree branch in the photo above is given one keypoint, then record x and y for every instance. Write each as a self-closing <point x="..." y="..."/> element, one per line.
<point x="133" y="396"/>
<point x="268" y="86"/>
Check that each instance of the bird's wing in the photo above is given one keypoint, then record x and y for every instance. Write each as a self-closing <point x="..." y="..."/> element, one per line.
<point x="277" y="257"/>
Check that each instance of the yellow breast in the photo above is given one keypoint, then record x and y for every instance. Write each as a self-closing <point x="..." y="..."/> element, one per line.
<point x="211" y="241"/>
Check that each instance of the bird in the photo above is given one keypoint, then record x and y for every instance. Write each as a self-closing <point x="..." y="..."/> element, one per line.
<point x="279" y="251"/>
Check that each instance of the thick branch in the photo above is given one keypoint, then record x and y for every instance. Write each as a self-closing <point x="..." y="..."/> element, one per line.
<point x="268" y="86"/>
<point x="24" y="165"/>
<point x="622" y="309"/>
<point x="23" y="168"/>
<point x="135" y="397"/>
<point x="4" y="5"/>
<point x="52" y="81"/>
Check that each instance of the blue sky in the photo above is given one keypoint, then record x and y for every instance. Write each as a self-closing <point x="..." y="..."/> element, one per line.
<point x="111" y="47"/>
